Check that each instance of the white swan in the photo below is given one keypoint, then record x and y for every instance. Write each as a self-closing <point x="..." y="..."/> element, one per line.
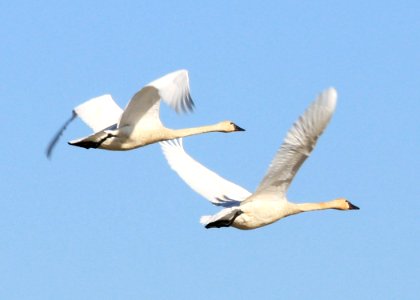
<point x="268" y="204"/>
<point x="139" y="124"/>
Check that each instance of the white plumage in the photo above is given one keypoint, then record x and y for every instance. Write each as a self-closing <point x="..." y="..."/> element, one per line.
<point x="99" y="113"/>
<point x="205" y="182"/>
<point x="269" y="203"/>
<point x="139" y="123"/>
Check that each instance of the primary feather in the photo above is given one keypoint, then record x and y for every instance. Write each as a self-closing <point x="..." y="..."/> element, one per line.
<point x="143" y="108"/>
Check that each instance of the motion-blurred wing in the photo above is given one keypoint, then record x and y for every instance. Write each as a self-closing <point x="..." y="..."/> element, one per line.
<point x="143" y="108"/>
<point x="57" y="136"/>
<point x="298" y="144"/>
<point x="98" y="113"/>
<point x="208" y="184"/>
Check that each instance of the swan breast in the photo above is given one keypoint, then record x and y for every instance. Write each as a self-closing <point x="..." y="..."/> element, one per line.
<point x="259" y="213"/>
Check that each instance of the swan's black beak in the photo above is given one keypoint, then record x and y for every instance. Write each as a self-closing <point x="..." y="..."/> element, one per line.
<point x="237" y="128"/>
<point x="352" y="206"/>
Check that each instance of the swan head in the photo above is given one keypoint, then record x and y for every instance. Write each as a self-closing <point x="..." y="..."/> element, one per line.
<point x="344" y="204"/>
<point x="229" y="126"/>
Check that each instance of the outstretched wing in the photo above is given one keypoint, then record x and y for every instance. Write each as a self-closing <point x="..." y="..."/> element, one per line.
<point x="98" y="113"/>
<point x="298" y="144"/>
<point x="205" y="182"/>
<point x="143" y="108"/>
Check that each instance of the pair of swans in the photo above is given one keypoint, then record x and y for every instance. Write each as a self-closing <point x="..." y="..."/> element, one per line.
<point x="139" y="125"/>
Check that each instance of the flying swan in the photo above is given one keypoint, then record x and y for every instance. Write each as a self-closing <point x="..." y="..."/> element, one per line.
<point x="269" y="203"/>
<point x="139" y="123"/>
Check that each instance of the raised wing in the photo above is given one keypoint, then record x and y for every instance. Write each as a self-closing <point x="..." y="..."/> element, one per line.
<point x="172" y="88"/>
<point x="205" y="182"/>
<point x="98" y="113"/>
<point x="298" y="144"/>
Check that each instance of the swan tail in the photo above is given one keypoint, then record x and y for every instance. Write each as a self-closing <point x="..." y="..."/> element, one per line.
<point x="92" y="141"/>
<point x="224" y="218"/>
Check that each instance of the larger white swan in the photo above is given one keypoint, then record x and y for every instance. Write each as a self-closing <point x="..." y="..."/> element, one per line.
<point x="269" y="203"/>
<point x="139" y="123"/>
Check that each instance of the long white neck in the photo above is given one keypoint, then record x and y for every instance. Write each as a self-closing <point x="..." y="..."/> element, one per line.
<point x="340" y="203"/>
<point x="179" y="133"/>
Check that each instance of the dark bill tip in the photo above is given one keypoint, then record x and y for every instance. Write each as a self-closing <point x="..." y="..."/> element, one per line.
<point x="237" y="128"/>
<point x="352" y="206"/>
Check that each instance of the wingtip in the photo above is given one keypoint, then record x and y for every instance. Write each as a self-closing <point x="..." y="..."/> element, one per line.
<point x="57" y="136"/>
<point x="328" y="98"/>
<point x="185" y="71"/>
<point x="186" y="106"/>
<point x="331" y="92"/>
<point x="48" y="154"/>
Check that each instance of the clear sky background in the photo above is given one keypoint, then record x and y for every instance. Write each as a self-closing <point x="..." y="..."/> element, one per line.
<point x="93" y="224"/>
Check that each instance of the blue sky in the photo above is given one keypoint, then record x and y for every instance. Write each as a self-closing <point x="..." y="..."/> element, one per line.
<point x="121" y="225"/>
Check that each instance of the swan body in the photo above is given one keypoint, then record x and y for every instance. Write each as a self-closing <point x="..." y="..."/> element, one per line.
<point x="125" y="138"/>
<point x="139" y="123"/>
<point x="244" y="210"/>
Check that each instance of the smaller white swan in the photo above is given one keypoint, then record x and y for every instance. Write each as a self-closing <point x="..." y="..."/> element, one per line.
<point x="139" y="123"/>
<point x="269" y="203"/>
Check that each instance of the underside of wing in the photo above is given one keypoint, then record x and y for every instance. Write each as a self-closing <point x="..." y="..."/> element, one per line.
<point x="99" y="113"/>
<point x="143" y="109"/>
<point x="205" y="182"/>
<point x="299" y="143"/>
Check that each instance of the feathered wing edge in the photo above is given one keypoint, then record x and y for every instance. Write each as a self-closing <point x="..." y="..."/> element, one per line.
<point x="205" y="182"/>
<point x="299" y="143"/>
<point x="143" y="108"/>
<point x="174" y="90"/>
